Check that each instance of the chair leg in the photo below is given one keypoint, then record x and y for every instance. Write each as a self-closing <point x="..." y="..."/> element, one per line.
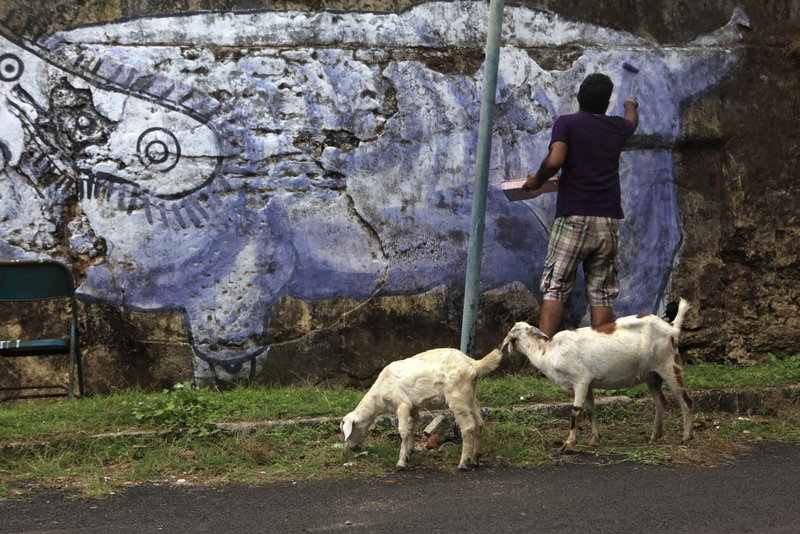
<point x="80" y="371"/>
<point x="72" y="360"/>
<point x="71" y="383"/>
<point x="75" y="362"/>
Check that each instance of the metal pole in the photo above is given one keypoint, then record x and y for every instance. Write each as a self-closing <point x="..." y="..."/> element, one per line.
<point x="472" y="286"/>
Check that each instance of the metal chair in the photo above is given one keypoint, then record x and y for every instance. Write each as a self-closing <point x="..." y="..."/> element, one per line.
<point x="30" y="281"/>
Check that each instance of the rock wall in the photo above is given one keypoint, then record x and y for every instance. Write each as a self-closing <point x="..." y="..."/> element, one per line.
<point x="280" y="192"/>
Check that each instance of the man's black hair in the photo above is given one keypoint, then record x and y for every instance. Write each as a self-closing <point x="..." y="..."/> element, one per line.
<point x="595" y="93"/>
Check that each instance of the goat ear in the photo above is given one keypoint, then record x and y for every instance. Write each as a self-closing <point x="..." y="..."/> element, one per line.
<point x="347" y="427"/>
<point x="535" y="332"/>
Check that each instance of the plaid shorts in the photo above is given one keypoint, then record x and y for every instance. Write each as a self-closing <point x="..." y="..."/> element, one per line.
<point x="576" y="240"/>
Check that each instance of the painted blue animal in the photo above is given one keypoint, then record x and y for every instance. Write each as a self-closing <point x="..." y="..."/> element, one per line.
<point x="223" y="160"/>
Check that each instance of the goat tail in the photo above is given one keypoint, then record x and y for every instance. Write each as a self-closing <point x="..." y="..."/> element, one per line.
<point x="683" y="307"/>
<point x="488" y="363"/>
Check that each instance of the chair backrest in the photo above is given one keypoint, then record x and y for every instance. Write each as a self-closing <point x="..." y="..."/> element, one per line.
<point x="34" y="280"/>
<point x="27" y="280"/>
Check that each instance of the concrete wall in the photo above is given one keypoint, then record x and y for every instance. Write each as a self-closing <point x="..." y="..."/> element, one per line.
<point x="273" y="193"/>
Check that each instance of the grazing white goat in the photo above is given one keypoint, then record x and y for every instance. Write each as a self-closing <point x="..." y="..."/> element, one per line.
<point x="623" y="353"/>
<point x="432" y="379"/>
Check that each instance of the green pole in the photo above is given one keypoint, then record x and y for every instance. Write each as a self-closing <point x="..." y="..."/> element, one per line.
<point x="472" y="286"/>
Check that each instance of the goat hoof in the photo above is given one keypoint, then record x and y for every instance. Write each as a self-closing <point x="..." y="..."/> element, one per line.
<point x="470" y="465"/>
<point x="400" y="467"/>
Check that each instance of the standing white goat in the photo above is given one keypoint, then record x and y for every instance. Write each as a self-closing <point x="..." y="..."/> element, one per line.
<point x="432" y="379"/>
<point x="623" y="353"/>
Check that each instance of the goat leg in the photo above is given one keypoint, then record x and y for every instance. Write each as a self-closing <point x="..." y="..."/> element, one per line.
<point x="575" y="419"/>
<point x="675" y="381"/>
<point x="592" y="409"/>
<point x="659" y="402"/>
<point x="478" y="450"/>
<point x="467" y="425"/>
<point x="405" y="425"/>
<point x="581" y="393"/>
<point x="686" y="407"/>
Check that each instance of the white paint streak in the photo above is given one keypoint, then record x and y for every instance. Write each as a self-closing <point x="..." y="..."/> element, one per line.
<point x="420" y="26"/>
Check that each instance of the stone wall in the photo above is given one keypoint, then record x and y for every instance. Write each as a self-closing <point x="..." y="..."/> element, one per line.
<point x="273" y="192"/>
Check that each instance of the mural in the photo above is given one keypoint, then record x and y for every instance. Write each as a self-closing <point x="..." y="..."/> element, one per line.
<point x="212" y="163"/>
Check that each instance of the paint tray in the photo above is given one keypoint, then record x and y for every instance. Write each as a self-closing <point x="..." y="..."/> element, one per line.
<point x="513" y="189"/>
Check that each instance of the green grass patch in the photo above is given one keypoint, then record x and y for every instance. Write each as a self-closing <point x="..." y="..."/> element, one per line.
<point x="773" y="372"/>
<point x="55" y="444"/>
<point x="516" y="388"/>
<point x="287" y="402"/>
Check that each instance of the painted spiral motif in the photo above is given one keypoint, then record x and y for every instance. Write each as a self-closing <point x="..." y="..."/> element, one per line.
<point x="158" y="149"/>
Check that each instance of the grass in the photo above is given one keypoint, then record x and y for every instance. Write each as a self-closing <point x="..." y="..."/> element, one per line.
<point x="775" y="371"/>
<point x="54" y="445"/>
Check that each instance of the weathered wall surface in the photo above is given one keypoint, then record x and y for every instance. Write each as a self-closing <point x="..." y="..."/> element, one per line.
<point x="281" y="191"/>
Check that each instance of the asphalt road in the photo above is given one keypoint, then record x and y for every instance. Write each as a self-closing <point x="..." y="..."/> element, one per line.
<point x="760" y="493"/>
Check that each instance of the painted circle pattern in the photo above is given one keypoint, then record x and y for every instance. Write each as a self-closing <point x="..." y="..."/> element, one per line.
<point x="158" y="149"/>
<point x="11" y="68"/>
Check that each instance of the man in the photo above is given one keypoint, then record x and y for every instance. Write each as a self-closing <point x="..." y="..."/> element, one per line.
<point x="586" y="147"/>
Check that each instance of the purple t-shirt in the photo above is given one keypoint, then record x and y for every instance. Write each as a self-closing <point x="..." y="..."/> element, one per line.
<point x="589" y="183"/>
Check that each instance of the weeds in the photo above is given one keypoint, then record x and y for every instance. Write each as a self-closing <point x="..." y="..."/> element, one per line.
<point x="185" y="408"/>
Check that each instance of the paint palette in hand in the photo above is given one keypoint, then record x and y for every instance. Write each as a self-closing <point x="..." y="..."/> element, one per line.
<point x="513" y="189"/>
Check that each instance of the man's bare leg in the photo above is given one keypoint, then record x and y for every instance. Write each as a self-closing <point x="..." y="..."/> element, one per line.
<point x="550" y="317"/>
<point x="601" y="315"/>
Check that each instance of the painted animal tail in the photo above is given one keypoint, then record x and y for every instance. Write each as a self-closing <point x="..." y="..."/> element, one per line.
<point x="489" y="363"/>
<point x="683" y="307"/>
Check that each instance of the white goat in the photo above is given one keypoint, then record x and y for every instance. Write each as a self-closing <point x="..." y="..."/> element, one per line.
<point x="432" y="379"/>
<point x="623" y="353"/>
